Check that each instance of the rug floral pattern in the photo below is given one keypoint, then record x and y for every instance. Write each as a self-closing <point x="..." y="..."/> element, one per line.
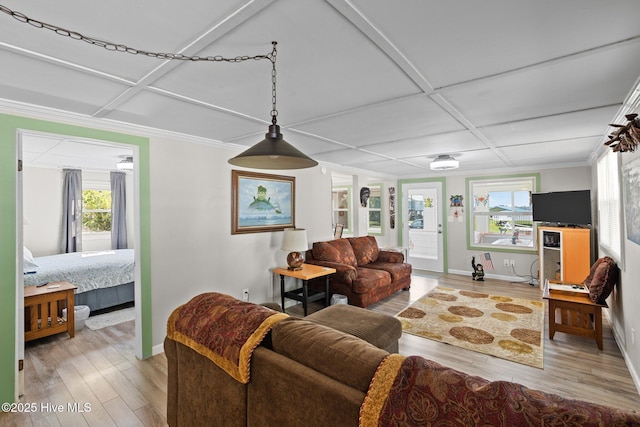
<point x="505" y="327"/>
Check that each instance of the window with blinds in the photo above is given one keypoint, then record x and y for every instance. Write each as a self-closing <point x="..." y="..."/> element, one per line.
<point x="609" y="205"/>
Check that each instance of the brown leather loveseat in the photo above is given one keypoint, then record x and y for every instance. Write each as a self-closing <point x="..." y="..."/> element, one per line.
<point x="364" y="273"/>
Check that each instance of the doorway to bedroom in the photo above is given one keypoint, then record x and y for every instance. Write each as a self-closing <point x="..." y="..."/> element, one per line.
<point x="95" y="250"/>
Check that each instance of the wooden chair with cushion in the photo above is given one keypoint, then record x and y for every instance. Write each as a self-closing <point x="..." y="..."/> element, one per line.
<point x="581" y="313"/>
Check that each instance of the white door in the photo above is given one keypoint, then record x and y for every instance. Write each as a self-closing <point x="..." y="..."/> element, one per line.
<point x="422" y="233"/>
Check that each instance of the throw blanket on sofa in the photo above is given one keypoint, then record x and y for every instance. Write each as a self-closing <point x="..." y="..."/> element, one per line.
<point x="223" y="329"/>
<point x="414" y="391"/>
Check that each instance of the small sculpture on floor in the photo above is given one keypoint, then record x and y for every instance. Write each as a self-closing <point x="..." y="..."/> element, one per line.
<point x="478" y="270"/>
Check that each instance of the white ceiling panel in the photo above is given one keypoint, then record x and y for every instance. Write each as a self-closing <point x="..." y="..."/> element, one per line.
<point x="393" y="167"/>
<point x="554" y="88"/>
<point x="55" y="151"/>
<point x="411" y="117"/>
<point x="432" y="145"/>
<point x="348" y="157"/>
<point x="308" y="65"/>
<point x="160" y="27"/>
<point x="43" y="83"/>
<point x="374" y="85"/>
<point x="458" y="40"/>
<point x="553" y="128"/>
<point x="561" y="151"/>
<point x="157" y="111"/>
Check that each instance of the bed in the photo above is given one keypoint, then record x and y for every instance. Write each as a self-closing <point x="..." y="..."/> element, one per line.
<point x="104" y="278"/>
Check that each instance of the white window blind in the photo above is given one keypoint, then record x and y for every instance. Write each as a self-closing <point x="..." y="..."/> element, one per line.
<point x="609" y="205"/>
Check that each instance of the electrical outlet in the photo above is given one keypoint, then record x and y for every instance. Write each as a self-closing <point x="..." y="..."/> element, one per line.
<point x="506" y="262"/>
<point x="512" y="262"/>
<point x="245" y="295"/>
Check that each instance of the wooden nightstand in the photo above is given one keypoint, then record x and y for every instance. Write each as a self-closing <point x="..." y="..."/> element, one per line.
<point x="43" y="310"/>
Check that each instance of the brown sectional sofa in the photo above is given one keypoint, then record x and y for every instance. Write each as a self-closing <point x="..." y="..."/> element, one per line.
<point x="364" y="273"/>
<point x="307" y="374"/>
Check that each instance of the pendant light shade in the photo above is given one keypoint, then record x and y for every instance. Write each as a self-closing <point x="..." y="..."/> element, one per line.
<point x="273" y="152"/>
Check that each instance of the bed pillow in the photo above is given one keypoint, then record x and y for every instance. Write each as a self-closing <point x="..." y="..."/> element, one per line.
<point x="29" y="265"/>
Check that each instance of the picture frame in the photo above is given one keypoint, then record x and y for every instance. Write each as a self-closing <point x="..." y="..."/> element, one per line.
<point x="261" y="202"/>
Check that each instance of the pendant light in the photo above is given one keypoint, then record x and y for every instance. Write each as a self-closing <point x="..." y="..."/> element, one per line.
<point x="273" y="152"/>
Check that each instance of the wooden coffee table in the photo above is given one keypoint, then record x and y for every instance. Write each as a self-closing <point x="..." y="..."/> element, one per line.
<point x="308" y="272"/>
<point x="43" y="310"/>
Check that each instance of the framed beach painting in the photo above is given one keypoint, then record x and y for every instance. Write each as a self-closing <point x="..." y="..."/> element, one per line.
<point x="261" y="202"/>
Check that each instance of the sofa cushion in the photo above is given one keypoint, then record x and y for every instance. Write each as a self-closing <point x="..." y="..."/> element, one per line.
<point x="338" y="250"/>
<point x="604" y="279"/>
<point x="398" y="271"/>
<point x="369" y="279"/>
<point x="365" y="249"/>
<point x="335" y="354"/>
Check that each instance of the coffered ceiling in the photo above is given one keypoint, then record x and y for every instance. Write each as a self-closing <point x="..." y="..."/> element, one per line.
<point x="378" y="86"/>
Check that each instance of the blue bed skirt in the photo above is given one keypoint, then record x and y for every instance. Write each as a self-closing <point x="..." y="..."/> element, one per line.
<point x="99" y="299"/>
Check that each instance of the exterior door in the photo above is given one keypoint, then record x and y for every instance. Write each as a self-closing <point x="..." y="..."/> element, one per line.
<point x="423" y="232"/>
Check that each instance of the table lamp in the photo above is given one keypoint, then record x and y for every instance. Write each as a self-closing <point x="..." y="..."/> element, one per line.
<point x="295" y="241"/>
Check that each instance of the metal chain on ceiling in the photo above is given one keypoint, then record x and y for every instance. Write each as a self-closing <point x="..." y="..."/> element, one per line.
<point x="118" y="47"/>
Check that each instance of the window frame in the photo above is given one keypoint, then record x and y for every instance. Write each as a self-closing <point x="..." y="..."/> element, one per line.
<point x="375" y="231"/>
<point x="609" y="200"/>
<point x="95" y="186"/>
<point x="470" y="212"/>
<point x="336" y="210"/>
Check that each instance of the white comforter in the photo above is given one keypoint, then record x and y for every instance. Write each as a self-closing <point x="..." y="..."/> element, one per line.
<point x="86" y="270"/>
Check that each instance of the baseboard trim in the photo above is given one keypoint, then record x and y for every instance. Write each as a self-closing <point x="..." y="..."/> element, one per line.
<point x="491" y="276"/>
<point x="620" y="342"/>
<point x="157" y="349"/>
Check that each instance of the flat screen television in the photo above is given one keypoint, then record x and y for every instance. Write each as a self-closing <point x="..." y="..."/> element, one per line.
<point x="562" y="207"/>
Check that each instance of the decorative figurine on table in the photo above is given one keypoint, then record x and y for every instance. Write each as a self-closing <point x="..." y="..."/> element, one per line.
<point x="478" y="270"/>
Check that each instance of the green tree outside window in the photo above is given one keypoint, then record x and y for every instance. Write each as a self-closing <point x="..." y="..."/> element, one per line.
<point x="96" y="211"/>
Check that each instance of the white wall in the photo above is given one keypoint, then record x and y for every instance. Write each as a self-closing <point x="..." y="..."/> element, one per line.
<point x="459" y="257"/>
<point x="192" y="248"/>
<point x="42" y="204"/>
<point x="625" y="299"/>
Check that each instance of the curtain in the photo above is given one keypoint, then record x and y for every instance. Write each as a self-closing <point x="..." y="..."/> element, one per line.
<point x="71" y="233"/>
<point x="118" y="211"/>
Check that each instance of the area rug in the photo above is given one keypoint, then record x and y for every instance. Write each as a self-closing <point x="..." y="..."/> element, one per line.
<point x="505" y="327"/>
<point x="109" y="319"/>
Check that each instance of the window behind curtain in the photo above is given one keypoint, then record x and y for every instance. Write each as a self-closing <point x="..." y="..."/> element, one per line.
<point x="500" y="212"/>
<point x="96" y="212"/>
<point x="609" y="203"/>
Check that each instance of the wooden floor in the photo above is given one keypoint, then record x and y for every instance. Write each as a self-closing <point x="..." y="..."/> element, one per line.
<point x="98" y="367"/>
<point x="573" y="366"/>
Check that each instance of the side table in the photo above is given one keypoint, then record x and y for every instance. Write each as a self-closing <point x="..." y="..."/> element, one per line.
<point x="308" y="272"/>
<point x="578" y="315"/>
<point x="43" y="310"/>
